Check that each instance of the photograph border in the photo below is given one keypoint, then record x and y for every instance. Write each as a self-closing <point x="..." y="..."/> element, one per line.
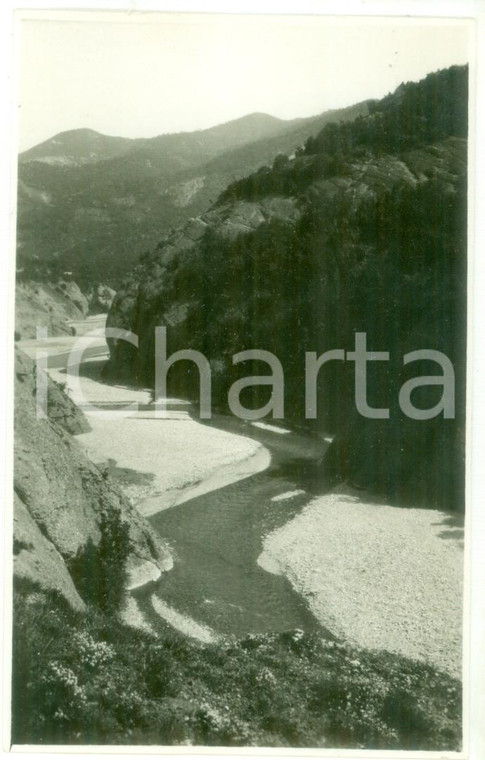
<point x="474" y="605"/>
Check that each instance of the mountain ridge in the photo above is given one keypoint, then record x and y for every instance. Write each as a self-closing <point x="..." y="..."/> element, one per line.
<point x="92" y="136"/>
<point x="95" y="219"/>
<point x="83" y="146"/>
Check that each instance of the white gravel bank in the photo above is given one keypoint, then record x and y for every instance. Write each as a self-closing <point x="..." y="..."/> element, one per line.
<point x="183" y="623"/>
<point x="378" y="576"/>
<point x="175" y="453"/>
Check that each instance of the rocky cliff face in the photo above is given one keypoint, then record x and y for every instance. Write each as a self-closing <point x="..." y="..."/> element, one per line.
<point x="56" y="305"/>
<point x="48" y="304"/>
<point x="362" y="231"/>
<point x="101" y="298"/>
<point x="60" y="496"/>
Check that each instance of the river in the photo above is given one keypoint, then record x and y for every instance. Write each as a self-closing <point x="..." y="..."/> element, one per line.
<point x="217" y="537"/>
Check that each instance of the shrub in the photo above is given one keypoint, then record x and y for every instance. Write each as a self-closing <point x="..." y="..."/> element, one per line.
<point x="99" y="570"/>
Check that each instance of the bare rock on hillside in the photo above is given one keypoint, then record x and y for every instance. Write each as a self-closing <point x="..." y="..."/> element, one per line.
<point x="100" y="299"/>
<point x="49" y="305"/>
<point x="63" y="493"/>
<point x="37" y="559"/>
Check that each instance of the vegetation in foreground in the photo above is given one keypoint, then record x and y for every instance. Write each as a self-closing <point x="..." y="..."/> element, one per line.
<point x="88" y="679"/>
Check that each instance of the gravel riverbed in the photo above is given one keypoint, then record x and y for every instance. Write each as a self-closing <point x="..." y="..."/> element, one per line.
<point x="378" y="576"/>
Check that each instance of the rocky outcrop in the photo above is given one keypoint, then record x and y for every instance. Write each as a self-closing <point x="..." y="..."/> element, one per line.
<point x="60" y="408"/>
<point x="48" y="304"/>
<point x="60" y="496"/>
<point x="362" y="231"/>
<point x="150" y="298"/>
<point x="100" y="299"/>
<point x="58" y="306"/>
<point x="37" y="559"/>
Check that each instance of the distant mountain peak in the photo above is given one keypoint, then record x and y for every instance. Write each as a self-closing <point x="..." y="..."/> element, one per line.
<point x="256" y="116"/>
<point x="75" y="147"/>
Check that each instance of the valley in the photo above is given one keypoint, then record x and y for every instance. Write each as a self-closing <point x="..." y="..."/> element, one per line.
<point x="241" y="578"/>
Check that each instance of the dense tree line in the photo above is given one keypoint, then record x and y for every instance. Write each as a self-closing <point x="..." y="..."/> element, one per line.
<point x="395" y="268"/>
<point x="417" y="114"/>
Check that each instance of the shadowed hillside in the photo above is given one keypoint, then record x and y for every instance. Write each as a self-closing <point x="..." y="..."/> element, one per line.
<point x="363" y="230"/>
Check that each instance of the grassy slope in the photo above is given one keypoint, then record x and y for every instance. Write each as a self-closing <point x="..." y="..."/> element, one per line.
<point x="88" y="679"/>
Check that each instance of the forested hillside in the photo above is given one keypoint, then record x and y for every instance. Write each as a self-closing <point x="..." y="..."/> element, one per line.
<point x="364" y="230"/>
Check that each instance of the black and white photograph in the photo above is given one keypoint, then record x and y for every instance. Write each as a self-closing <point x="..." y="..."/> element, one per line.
<point x="241" y="381"/>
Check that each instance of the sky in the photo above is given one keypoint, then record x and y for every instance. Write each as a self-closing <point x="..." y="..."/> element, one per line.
<point x="140" y="75"/>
